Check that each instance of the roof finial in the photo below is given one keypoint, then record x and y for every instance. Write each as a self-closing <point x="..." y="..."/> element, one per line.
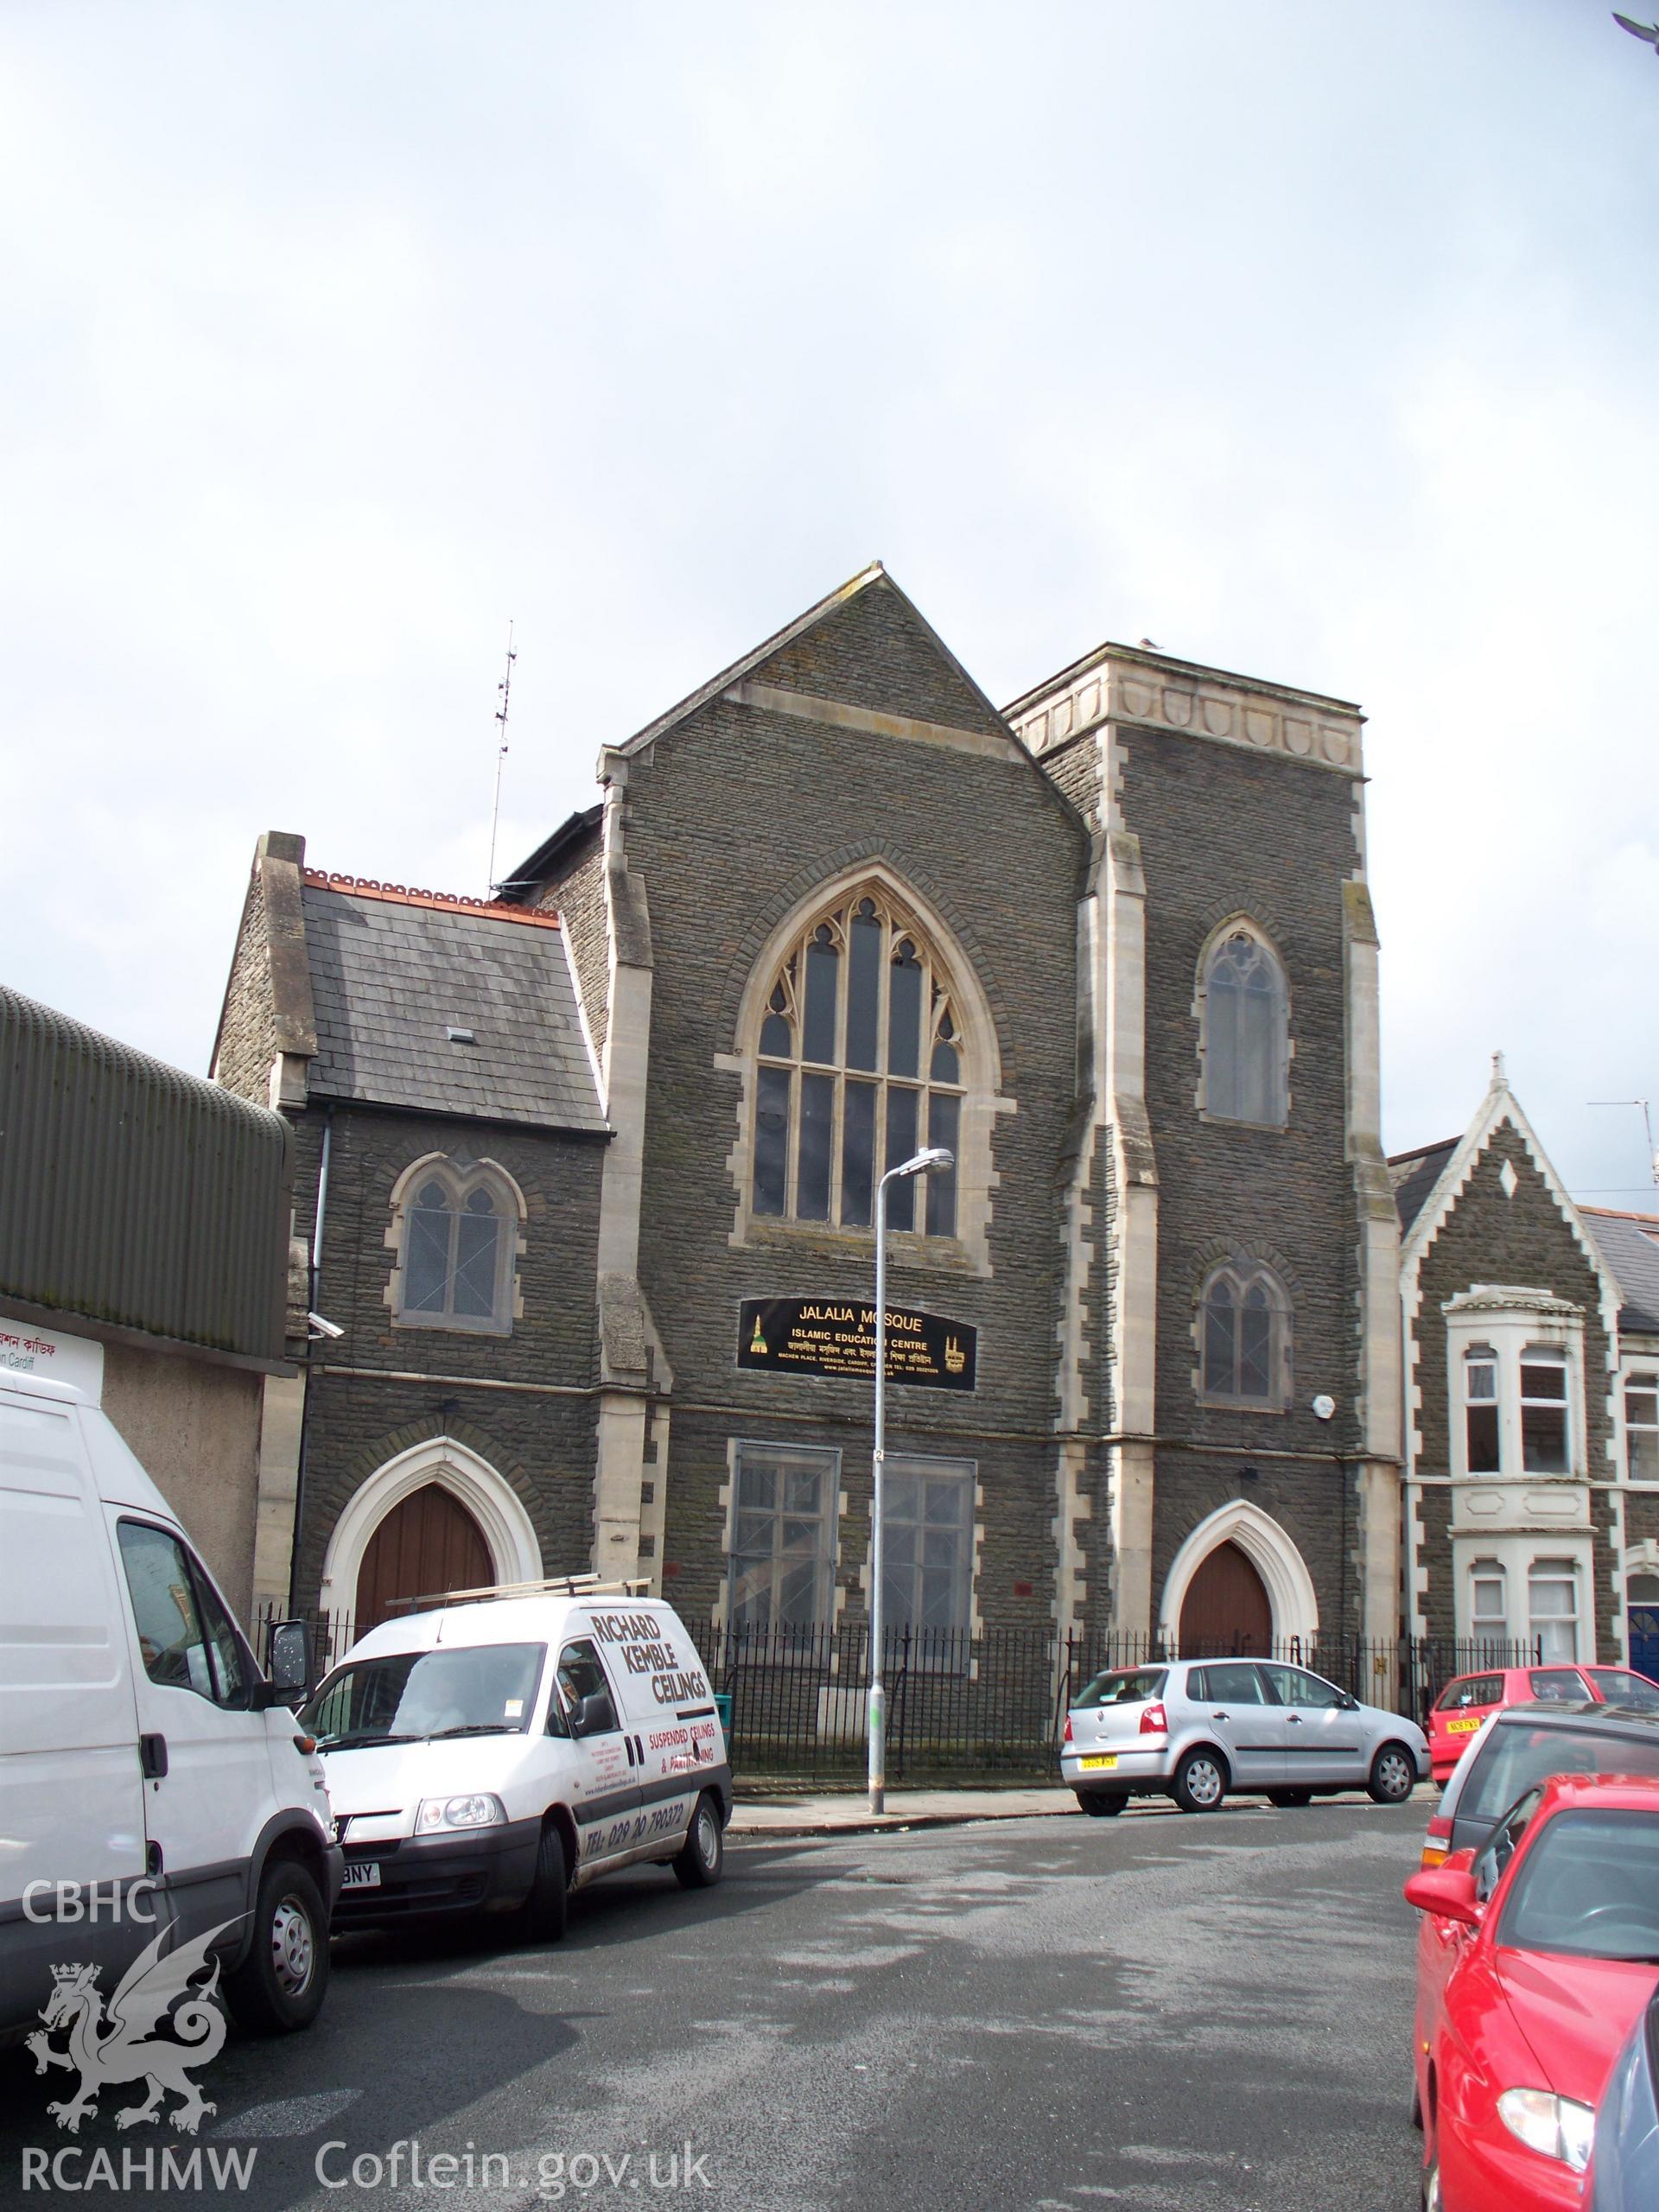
<point x="1500" y="1074"/>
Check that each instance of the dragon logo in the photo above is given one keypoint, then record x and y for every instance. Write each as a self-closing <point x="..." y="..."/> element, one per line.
<point x="121" y="2045"/>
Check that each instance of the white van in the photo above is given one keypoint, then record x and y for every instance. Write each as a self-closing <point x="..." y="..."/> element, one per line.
<point x="149" y="1774"/>
<point x="493" y="1755"/>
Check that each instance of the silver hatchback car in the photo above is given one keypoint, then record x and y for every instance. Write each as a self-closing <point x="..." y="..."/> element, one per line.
<point x="1193" y="1729"/>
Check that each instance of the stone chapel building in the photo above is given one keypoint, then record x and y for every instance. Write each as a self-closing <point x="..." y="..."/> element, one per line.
<point x="586" y="1173"/>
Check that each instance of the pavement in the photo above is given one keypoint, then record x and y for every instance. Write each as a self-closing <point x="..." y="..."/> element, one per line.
<point x="843" y="1812"/>
<point x="840" y="1812"/>
<point x="1155" y="2013"/>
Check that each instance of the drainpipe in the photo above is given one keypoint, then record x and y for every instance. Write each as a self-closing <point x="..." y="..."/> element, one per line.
<point x="312" y="1277"/>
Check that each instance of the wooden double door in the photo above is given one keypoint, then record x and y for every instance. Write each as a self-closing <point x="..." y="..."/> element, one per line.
<point x="1227" y="1610"/>
<point x="428" y="1545"/>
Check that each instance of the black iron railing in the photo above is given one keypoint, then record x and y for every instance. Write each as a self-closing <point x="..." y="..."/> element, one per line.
<point x="963" y="1706"/>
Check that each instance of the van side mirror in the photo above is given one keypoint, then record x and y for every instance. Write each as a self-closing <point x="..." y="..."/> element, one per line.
<point x="289" y="1666"/>
<point x="592" y="1715"/>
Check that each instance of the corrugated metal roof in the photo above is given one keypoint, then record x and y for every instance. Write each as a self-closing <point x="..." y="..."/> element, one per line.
<point x="392" y="977"/>
<point x="134" y="1194"/>
<point x="1630" y="1244"/>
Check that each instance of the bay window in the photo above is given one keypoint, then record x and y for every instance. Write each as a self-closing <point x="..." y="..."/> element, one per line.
<point x="1543" y="1412"/>
<point x="1553" y="1608"/>
<point x="1480" y="1409"/>
<point x="1642" y="1427"/>
<point x="1488" y="1607"/>
<point x="1515" y="1368"/>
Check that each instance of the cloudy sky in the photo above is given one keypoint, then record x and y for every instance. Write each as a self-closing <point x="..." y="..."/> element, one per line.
<point x="1312" y="339"/>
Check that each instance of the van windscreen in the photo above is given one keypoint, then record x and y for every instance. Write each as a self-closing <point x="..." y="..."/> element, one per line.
<point x="484" y="1689"/>
<point x="1516" y="1757"/>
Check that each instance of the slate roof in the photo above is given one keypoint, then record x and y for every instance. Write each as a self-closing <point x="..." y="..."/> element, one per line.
<point x="1413" y="1175"/>
<point x="392" y="971"/>
<point x="1630" y="1244"/>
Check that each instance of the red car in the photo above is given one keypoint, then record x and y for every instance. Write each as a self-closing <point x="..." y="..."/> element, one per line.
<point x="1536" y="1955"/>
<point x="1463" y="1705"/>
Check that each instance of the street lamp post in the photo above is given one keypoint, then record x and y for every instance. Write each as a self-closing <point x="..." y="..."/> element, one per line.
<point x="936" y="1156"/>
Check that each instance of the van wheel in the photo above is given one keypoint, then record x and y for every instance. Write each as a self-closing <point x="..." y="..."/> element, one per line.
<point x="703" y="1856"/>
<point x="1200" y="1782"/>
<point x="1393" y="1775"/>
<point x="281" y="1985"/>
<point x="1099" y="1804"/>
<point x="542" y="1915"/>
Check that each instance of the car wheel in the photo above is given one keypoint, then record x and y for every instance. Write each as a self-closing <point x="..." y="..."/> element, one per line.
<point x="1290" y="1796"/>
<point x="281" y="1985"/>
<point x="1099" y="1804"/>
<point x="1394" y="1774"/>
<point x="541" y="1917"/>
<point x="1416" y="2108"/>
<point x="702" y="1857"/>
<point x="1200" y="1782"/>
<point x="1432" y="2200"/>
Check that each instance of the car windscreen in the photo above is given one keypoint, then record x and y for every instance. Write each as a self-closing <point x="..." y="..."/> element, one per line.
<point x="1590" y="1885"/>
<point x="1627" y="1689"/>
<point x="1517" y="1755"/>
<point x="481" y="1689"/>
<point x="1473" y="1689"/>
<point x="1122" y="1686"/>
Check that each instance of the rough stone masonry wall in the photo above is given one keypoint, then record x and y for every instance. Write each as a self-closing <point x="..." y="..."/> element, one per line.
<point x="247" y="1037"/>
<point x="1075" y="767"/>
<point x="542" y="1445"/>
<point x="1487" y="1238"/>
<point x="741" y="814"/>
<point x="1224" y="831"/>
<point x="580" y="897"/>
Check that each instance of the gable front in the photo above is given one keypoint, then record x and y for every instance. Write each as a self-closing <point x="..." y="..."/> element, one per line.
<point x="1502" y="1225"/>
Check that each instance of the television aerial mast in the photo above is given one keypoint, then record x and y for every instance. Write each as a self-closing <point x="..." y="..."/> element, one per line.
<point x="1645" y="1107"/>
<point x="504" y="689"/>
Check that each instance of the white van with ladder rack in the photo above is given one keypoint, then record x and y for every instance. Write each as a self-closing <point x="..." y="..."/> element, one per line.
<point x="499" y="1748"/>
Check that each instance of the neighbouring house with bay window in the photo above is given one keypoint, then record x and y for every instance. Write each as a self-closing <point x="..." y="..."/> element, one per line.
<point x="1532" y="1399"/>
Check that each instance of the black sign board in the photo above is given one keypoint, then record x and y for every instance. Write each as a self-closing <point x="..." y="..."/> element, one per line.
<point x="829" y="1336"/>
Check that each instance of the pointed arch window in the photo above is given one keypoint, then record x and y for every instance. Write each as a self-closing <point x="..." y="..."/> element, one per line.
<point x="1245" y="1031"/>
<point x="454" y="1227"/>
<point x="859" y="1065"/>
<point x="1244" y="1339"/>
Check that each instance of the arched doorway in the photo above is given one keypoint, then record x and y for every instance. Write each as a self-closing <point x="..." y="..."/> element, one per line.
<point x="1226" y="1608"/>
<point x="427" y="1544"/>
<point x="511" y="1548"/>
<point x="1233" y="1608"/>
<point x="1641" y="1599"/>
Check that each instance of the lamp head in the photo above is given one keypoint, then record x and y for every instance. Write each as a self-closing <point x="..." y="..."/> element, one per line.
<point x="934" y="1156"/>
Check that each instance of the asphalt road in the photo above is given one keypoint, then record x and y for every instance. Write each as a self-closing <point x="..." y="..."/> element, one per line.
<point x="1167" y="2013"/>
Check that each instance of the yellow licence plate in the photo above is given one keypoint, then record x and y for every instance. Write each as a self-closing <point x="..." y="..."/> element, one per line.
<point x="1093" y="1764"/>
<point x="1462" y="1727"/>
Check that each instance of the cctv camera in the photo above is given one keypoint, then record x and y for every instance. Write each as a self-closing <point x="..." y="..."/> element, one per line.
<point x="321" y="1328"/>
